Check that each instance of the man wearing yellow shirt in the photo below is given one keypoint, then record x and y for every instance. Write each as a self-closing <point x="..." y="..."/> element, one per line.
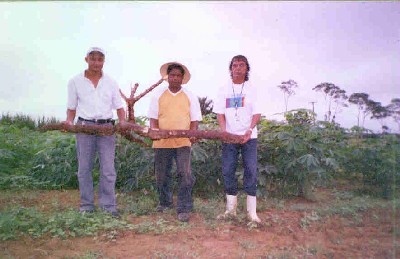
<point x="174" y="108"/>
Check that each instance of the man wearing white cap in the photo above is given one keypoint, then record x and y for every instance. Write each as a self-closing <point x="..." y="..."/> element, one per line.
<point x="92" y="96"/>
<point x="174" y="108"/>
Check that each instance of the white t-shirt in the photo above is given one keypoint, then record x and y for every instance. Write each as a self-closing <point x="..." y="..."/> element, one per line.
<point x="238" y="102"/>
<point x="93" y="103"/>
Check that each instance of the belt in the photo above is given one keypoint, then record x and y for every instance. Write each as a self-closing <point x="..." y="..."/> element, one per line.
<point x="100" y="121"/>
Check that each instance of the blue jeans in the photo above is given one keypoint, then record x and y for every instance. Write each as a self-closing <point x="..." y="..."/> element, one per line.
<point x="87" y="146"/>
<point x="230" y="154"/>
<point x="163" y="158"/>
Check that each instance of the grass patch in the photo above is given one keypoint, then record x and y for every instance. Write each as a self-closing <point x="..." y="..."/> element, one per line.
<point x="29" y="221"/>
<point x="13" y="182"/>
<point x="209" y="208"/>
<point x="352" y="206"/>
<point x="138" y="204"/>
<point x="159" y="227"/>
<point x="12" y="198"/>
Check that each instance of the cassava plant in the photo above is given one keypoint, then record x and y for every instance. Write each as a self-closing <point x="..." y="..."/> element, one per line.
<point x="295" y="156"/>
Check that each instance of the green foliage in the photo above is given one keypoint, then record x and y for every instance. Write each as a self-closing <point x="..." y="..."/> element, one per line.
<point x="42" y="121"/>
<point x="56" y="161"/>
<point x="140" y="205"/>
<point x="159" y="227"/>
<point x="18" y="120"/>
<point x="13" y="182"/>
<point x="296" y="156"/>
<point x="210" y="208"/>
<point x="206" y="166"/>
<point x="206" y="106"/>
<point x="209" y="122"/>
<point x="134" y="165"/>
<point x="19" y="221"/>
<point x="28" y="221"/>
<point x="19" y="143"/>
<point x="300" y="117"/>
<point x="375" y="161"/>
<point x="17" y="146"/>
<point x="351" y="205"/>
<point x="26" y="121"/>
<point x="293" y="157"/>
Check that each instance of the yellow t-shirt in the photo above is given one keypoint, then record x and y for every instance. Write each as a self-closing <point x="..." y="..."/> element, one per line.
<point x="173" y="114"/>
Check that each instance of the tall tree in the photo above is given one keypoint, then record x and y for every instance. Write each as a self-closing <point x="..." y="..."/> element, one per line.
<point x="361" y="100"/>
<point x="206" y="106"/>
<point x="394" y="109"/>
<point x="365" y="105"/>
<point x="380" y="113"/>
<point x="333" y="96"/>
<point x="339" y="98"/>
<point x="287" y="88"/>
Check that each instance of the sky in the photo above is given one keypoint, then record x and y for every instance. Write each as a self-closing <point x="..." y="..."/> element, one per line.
<point x="354" y="45"/>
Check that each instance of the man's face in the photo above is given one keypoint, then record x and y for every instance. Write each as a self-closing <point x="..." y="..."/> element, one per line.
<point x="95" y="61"/>
<point x="175" y="77"/>
<point x="239" y="69"/>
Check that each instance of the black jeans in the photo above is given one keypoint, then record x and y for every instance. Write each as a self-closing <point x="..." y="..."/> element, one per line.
<point x="163" y="158"/>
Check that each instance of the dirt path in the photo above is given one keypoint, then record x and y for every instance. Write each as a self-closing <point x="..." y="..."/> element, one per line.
<point x="286" y="233"/>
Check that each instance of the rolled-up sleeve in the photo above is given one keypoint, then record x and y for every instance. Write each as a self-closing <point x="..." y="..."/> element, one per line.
<point x="72" y="101"/>
<point x="257" y="106"/>
<point x="219" y="104"/>
<point x="195" y="110"/>
<point x="116" y="97"/>
<point x="153" y="108"/>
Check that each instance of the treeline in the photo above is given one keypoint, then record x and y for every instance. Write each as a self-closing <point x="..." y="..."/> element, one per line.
<point x="337" y="98"/>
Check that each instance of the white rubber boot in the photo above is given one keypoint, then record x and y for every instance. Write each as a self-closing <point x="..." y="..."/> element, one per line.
<point x="252" y="209"/>
<point x="231" y="204"/>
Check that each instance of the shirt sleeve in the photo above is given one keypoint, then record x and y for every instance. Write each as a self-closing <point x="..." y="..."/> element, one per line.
<point x="153" y="108"/>
<point x="116" y="96"/>
<point x="72" y="101"/>
<point x="195" y="111"/>
<point x="257" y="109"/>
<point x="219" y="104"/>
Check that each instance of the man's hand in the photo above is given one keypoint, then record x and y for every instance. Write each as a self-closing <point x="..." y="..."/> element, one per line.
<point x="193" y="140"/>
<point x="68" y="123"/>
<point x="122" y="123"/>
<point x="247" y="136"/>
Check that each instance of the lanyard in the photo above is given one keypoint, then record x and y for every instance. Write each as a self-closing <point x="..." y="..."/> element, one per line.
<point x="235" y="98"/>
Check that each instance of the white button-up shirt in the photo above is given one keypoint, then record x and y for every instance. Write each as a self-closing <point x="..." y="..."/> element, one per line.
<point x="93" y="103"/>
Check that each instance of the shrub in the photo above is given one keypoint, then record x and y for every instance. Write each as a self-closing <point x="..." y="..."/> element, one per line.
<point x="18" y="120"/>
<point x="377" y="161"/>
<point x="56" y="162"/>
<point x="294" y="157"/>
<point x="17" y="146"/>
<point x="134" y="165"/>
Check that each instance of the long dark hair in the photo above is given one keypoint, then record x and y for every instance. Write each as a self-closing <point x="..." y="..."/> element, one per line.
<point x="240" y="58"/>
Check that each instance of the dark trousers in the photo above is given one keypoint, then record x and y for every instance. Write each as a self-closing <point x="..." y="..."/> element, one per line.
<point x="163" y="159"/>
<point x="230" y="155"/>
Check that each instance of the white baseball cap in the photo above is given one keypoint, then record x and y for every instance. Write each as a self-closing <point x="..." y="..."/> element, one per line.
<point x="95" y="49"/>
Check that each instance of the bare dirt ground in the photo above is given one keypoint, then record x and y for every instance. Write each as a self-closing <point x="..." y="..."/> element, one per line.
<point x="293" y="230"/>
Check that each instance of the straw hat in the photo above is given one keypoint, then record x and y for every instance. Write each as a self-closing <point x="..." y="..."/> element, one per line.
<point x="163" y="72"/>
